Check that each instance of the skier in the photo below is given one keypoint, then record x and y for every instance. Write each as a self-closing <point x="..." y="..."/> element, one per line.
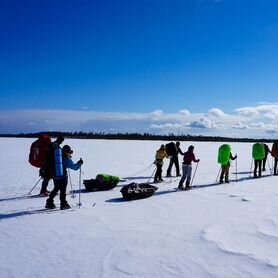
<point x="274" y="153"/>
<point x="258" y="154"/>
<point x="61" y="178"/>
<point x="225" y="168"/>
<point x="275" y="166"/>
<point x="160" y="155"/>
<point x="37" y="156"/>
<point x="187" y="168"/>
<point x="267" y="151"/>
<point x="174" y="159"/>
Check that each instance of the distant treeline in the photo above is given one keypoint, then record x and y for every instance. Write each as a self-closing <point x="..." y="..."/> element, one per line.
<point x="136" y="136"/>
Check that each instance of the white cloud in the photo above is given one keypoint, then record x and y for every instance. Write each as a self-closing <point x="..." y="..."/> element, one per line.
<point x="31" y="123"/>
<point x="248" y="111"/>
<point x="203" y="123"/>
<point x="257" y="125"/>
<point x="157" y="113"/>
<point x="259" y="121"/>
<point x="184" y="112"/>
<point x="216" y="112"/>
<point x="269" y="110"/>
<point x="239" y="125"/>
<point x="169" y="127"/>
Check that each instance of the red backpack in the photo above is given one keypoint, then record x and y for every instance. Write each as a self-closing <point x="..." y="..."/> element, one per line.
<point x="38" y="150"/>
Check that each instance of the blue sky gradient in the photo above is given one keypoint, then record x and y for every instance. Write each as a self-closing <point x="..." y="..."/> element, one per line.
<point x="137" y="57"/>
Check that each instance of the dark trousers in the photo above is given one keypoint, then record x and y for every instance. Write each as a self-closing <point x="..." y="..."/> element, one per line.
<point x="225" y="172"/>
<point x="258" y="168"/>
<point x="60" y="184"/>
<point x="264" y="163"/>
<point x="158" y="173"/>
<point x="44" y="185"/>
<point x="173" y="160"/>
<point x="275" y="166"/>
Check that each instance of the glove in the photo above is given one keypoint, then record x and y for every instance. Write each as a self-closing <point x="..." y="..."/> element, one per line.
<point x="80" y="161"/>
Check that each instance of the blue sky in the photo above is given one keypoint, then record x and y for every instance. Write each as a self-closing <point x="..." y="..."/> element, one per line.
<point x="159" y="66"/>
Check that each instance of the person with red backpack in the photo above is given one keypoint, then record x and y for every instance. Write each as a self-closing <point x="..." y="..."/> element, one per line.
<point x="47" y="171"/>
<point x="37" y="156"/>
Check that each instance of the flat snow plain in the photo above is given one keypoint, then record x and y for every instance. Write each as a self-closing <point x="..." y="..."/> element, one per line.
<point x="227" y="231"/>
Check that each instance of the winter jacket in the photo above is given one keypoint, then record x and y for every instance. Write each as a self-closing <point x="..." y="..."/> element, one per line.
<point x="189" y="157"/>
<point x="179" y="151"/>
<point x="68" y="163"/>
<point x="231" y="158"/>
<point x="160" y="155"/>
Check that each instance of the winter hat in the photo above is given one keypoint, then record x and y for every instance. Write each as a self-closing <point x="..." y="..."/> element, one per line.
<point x="60" y="139"/>
<point x="67" y="149"/>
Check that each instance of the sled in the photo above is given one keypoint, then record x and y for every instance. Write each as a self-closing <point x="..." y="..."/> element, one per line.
<point x="101" y="182"/>
<point x="135" y="191"/>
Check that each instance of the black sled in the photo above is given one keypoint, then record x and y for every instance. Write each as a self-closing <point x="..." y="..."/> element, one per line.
<point x="135" y="191"/>
<point x="101" y="182"/>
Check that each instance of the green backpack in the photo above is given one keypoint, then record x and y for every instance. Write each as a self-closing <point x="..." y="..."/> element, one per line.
<point x="224" y="154"/>
<point x="258" y="151"/>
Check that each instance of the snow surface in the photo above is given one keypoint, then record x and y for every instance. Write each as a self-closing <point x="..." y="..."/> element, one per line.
<point x="227" y="231"/>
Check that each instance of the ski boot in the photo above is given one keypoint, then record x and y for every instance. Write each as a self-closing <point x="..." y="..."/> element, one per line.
<point x="65" y="206"/>
<point x="180" y="187"/>
<point x="187" y="186"/>
<point x="50" y="204"/>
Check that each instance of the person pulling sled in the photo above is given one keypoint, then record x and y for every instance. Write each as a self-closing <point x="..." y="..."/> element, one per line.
<point x="159" y="156"/>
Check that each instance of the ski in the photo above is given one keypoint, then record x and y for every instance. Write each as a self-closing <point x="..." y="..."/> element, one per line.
<point x="36" y="196"/>
<point x="177" y="189"/>
<point x="165" y="181"/>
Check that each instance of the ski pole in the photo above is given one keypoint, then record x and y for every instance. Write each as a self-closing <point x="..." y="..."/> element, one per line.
<point x="151" y="175"/>
<point x="194" y="174"/>
<point x="218" y="174"/>
<point x="34" y="186"/>
<point x="236" y="167"/>
<point x="72" y="194"/>
<point x="79" y="203"/>
<point x="269" y="166"/>
<point x="250" y="172"/>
